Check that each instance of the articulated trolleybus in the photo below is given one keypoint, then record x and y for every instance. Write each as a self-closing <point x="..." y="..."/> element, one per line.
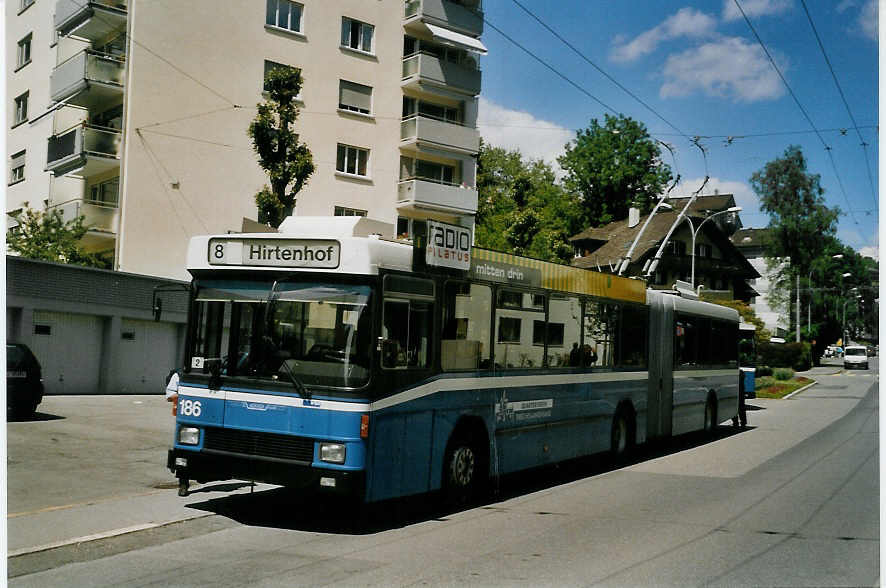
<point x="380" y="369"/>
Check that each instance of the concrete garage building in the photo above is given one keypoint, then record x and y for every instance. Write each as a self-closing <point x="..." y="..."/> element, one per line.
<point x="93" y="330"/>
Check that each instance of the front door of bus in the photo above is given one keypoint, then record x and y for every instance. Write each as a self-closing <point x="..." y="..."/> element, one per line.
<point x="661" y="379"/>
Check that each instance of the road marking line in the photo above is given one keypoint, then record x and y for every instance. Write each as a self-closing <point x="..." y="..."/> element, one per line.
<point x="97" y="536"/>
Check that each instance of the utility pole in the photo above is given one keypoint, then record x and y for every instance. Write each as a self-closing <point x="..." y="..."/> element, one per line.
<point x="798" y="307"/>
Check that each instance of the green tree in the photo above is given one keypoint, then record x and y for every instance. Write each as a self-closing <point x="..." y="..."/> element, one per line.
<point x="287" y="162"/>
<point x="612" y="167"/>
<point x="801" y="227"/>
<point x="521" y="208"/>
<point x="46" y="236"/>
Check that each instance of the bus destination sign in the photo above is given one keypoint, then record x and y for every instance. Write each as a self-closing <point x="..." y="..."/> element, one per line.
<point x="295" y="253"/>
<point x="448" y="245"/>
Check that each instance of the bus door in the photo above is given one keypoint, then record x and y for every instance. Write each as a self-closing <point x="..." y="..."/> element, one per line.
<point x="661" y="378"/>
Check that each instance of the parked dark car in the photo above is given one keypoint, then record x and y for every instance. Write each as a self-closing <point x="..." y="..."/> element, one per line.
<point x="24" y="382"/>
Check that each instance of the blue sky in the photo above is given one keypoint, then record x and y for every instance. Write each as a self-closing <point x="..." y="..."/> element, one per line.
<point x="699" y="66"/>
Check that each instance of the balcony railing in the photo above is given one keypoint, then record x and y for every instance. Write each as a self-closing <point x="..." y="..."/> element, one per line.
<point x="447" y="135"/>
<point x="90" y="19"/>
<point x="88" y="149"/>
<point x="88" y="79"/>
<point x="428" y="195"/>
<point x="424" y="68"/>
<point x="447" y="14"/>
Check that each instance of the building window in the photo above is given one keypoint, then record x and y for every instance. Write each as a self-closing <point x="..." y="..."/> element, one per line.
<point x="272" y="65"/>
<point x="23" y="57"/>
<point x="344" y="211"/>
<point x="508" y="330"/>
<point x="21" y="109"/>
<point x="677" y="248"/>
<point x="352" y="160"/>
<point x="354" y="97"/>
<point x="703" y="250"/>
<point x="284" y="14"/>
<point x="105" y="193"/>
<point x="17" y="167"/>
<point x="356" y="35"/>
<point x="414" y="106"/>
<point x="42" y="329"/>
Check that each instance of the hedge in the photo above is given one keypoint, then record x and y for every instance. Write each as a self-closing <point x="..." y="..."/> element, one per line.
<point x="797" y="356"/>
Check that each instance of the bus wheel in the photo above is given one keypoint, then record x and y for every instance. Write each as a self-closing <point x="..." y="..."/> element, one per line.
<point x="621" y="440"/>
<point x="462" y="471"/>
<point x="710" y="415"/>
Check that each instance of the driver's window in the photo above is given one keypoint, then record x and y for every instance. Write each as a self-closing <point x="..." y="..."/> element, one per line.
<point x="406" y="332"/>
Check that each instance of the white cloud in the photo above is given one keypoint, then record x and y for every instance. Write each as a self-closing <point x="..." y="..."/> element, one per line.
<point x="685" y="23"/>
<point x="868" y="20"/>
<point x="873" y="252"/>
<point x="744" y="196"/>
<point x="513" y="129"/>
<point x="729" y="68"/>
<point x="754" y="8"/>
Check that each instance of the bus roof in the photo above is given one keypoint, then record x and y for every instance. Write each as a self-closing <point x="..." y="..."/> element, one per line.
<point x="343" y="245"/>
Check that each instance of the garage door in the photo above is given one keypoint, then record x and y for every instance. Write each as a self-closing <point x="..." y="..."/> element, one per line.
<point x="69" y="348"/>
<point x="147" y="353"/>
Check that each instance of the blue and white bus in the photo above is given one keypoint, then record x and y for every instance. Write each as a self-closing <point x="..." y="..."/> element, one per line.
<point x="321" y="356"/>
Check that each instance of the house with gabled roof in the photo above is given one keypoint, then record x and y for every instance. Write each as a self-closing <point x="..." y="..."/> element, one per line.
<point x="720" y="267"/>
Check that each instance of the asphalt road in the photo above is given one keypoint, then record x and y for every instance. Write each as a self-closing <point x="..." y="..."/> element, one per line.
<point x="791" y="501"/>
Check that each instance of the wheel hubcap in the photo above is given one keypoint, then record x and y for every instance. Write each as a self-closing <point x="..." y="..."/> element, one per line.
<point x="463" y="466"/>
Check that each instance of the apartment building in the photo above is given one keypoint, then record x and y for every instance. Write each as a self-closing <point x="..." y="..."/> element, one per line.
<point x="136" y="112"/>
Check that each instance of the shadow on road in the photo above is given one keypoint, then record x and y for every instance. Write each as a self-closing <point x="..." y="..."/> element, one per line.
<point x="285" y="508"/>
<point x="38" y="417"/>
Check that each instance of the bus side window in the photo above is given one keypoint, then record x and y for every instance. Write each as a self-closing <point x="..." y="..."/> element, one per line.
<point x="406" y="333"/>
<point x="564" y="334"/>
<point x="685" y="341"/>
<point x="598" y="339"/>
<point x="466" y="335"/>
<point x="633" y="349"/>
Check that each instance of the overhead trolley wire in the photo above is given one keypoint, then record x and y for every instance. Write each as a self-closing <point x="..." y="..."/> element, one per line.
<point x="803" y="110"/>
<point x="864" y="144"/>
<point x="550" y="67"/>
<point x="598" y="68"/>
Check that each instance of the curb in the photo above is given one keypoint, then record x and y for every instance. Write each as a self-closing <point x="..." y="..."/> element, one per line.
<point x="795" y="392"/>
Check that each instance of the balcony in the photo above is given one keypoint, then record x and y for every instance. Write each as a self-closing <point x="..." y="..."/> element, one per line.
<point x="84" y="149"/>
<point x="423" y="69"/>
<point x="94" y="20"/>
<point x="444" y="13"/>
<point x="102" y="220"/>
<point x="89" y="79"/>
<point x="425" y="131"/>
<point x="426" y="195"/>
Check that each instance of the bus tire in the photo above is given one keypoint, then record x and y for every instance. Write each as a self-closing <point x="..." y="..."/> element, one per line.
<point x="710" y="415"/>
<point x="622" y="439"/>
<point x="463" y="470"/>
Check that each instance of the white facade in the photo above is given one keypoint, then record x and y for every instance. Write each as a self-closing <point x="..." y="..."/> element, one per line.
<point x="152" y="145"/>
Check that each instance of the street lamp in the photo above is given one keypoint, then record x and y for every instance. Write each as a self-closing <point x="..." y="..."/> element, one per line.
<point x="694" y="230"/>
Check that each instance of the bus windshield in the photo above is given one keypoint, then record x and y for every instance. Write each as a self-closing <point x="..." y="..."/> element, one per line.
<point x="316" y="332"/>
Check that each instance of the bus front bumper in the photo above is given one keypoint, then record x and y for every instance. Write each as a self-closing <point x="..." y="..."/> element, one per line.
<point x="205" y="467"/>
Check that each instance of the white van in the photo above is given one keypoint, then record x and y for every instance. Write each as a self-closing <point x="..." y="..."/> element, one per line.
<point x="855" y="356"/>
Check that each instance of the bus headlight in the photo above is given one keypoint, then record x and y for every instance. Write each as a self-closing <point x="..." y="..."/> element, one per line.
<point x="332" y="452"/>
<point x="189" y="436"/>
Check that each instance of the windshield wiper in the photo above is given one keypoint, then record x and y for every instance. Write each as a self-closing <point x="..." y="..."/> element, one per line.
<point x="296" y="383"/>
